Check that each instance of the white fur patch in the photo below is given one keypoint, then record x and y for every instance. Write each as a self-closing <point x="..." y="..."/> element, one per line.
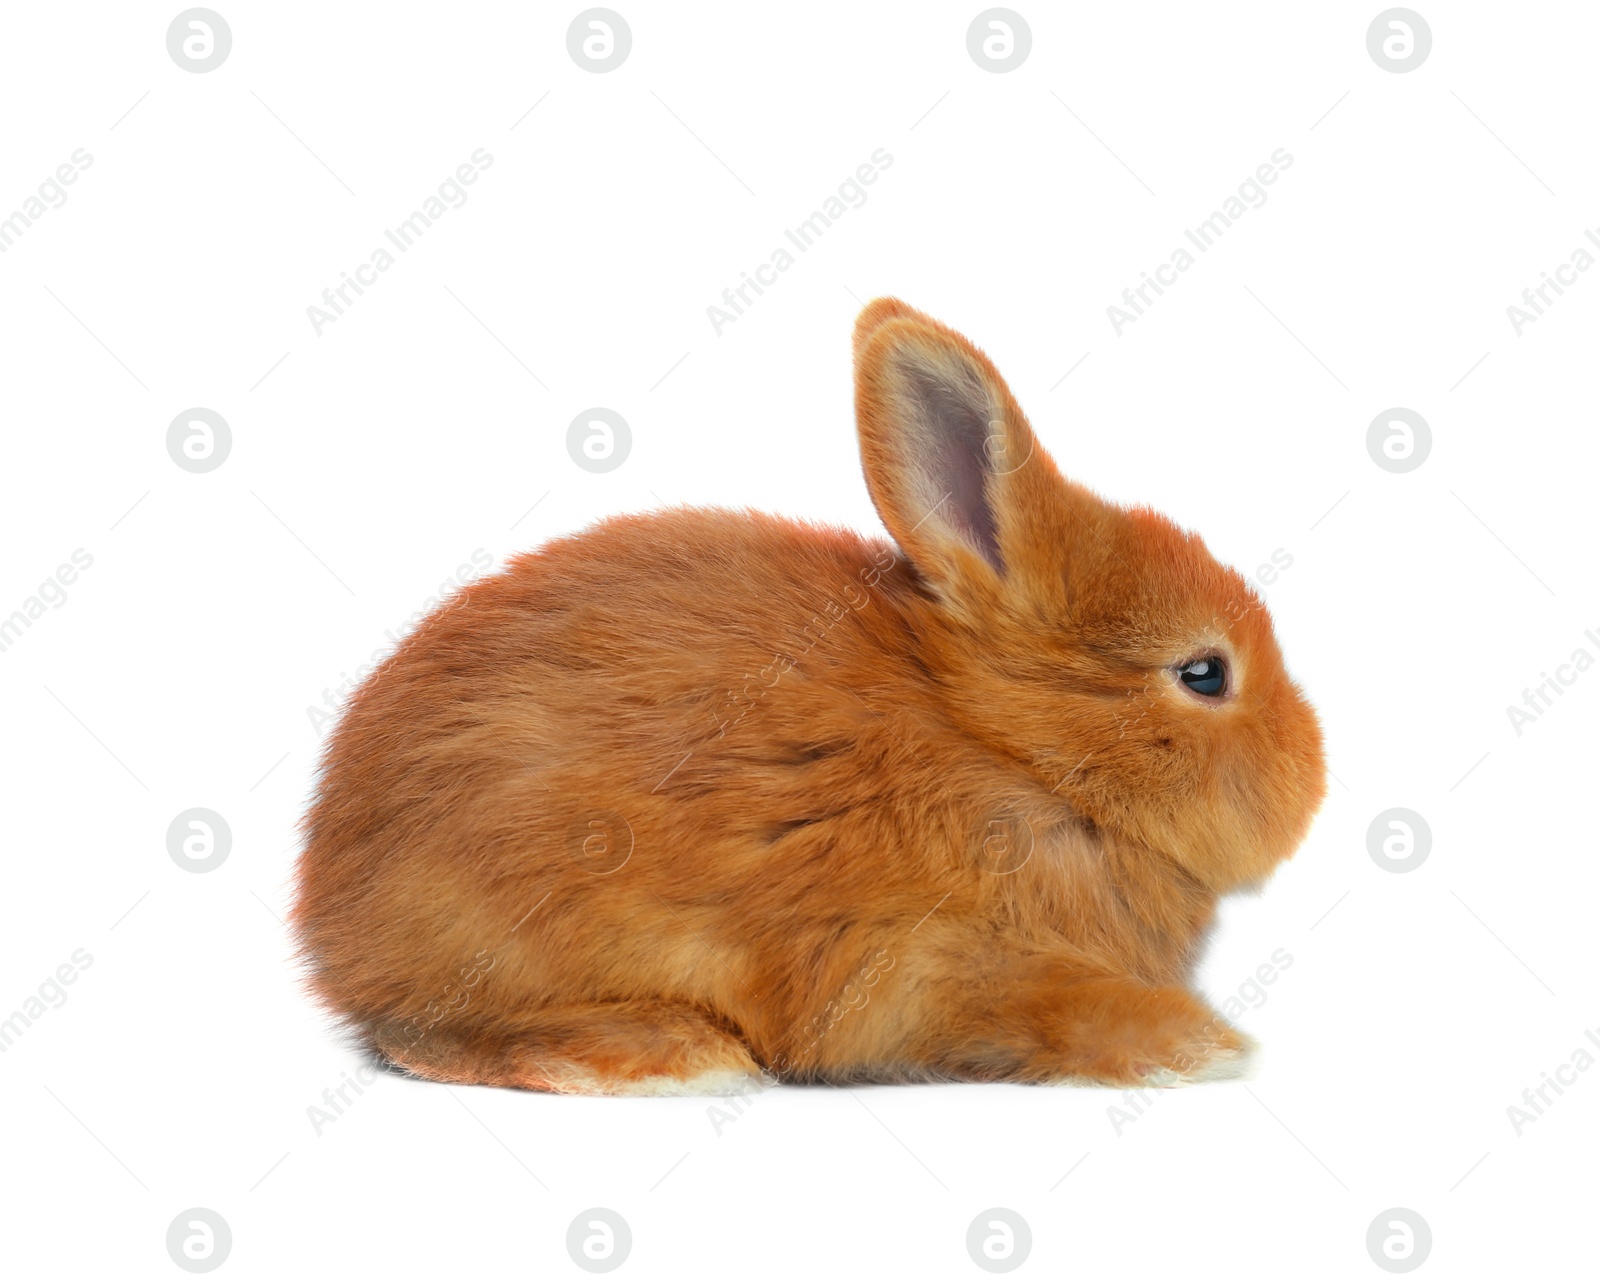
<point x="1220" y="1066"/>
<point x="714" y="1082"/>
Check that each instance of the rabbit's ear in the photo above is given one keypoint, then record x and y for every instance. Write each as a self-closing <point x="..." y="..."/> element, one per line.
<point x="943" y="445"/>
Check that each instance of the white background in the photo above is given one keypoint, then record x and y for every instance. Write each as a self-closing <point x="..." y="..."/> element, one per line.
<point x="424" y="424"/>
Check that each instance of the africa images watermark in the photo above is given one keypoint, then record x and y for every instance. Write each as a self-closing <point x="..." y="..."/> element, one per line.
<point x="1540" y="699"/>
<point x="1536" y="298"/>
<point x="52" y="592"/>
<point x="741" y="702"/>
<point x="451" y="194"/>
<point x="52" y="194"/>
<point x="51" y="992"/>
<point x="1535" y="1100"/>
<point x="333" y="697"/>
<point x="850" y="194"/>
<point x="1251" y="993"/>
<point x="852" y="997"/>
<point x="1251" y="194"/>
<point x="451" y="1001"/>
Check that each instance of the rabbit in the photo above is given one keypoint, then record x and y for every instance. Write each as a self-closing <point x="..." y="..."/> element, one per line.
<point x="699" y="800"/>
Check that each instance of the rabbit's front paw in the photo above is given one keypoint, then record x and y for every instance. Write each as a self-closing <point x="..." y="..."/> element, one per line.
<point x="1217" y="1053"/>
<point x="1130" y="1035"/>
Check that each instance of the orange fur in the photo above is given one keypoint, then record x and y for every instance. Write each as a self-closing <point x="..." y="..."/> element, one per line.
<point x="940" y="811"/>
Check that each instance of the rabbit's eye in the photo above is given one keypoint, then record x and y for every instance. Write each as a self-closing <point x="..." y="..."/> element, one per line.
<point x="1208" y="676"/>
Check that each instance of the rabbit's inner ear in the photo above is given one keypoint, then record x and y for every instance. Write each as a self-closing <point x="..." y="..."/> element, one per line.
<point x="953" y="436"/>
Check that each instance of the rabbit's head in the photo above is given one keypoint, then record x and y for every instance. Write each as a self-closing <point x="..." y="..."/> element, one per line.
<point x="1101" y="647"/>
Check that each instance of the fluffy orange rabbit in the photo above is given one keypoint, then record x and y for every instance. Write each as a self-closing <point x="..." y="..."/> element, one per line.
<point x="703" y="796"/>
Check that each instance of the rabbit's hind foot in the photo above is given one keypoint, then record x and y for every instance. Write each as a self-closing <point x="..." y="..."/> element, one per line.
<point x="592" y="1049"/>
